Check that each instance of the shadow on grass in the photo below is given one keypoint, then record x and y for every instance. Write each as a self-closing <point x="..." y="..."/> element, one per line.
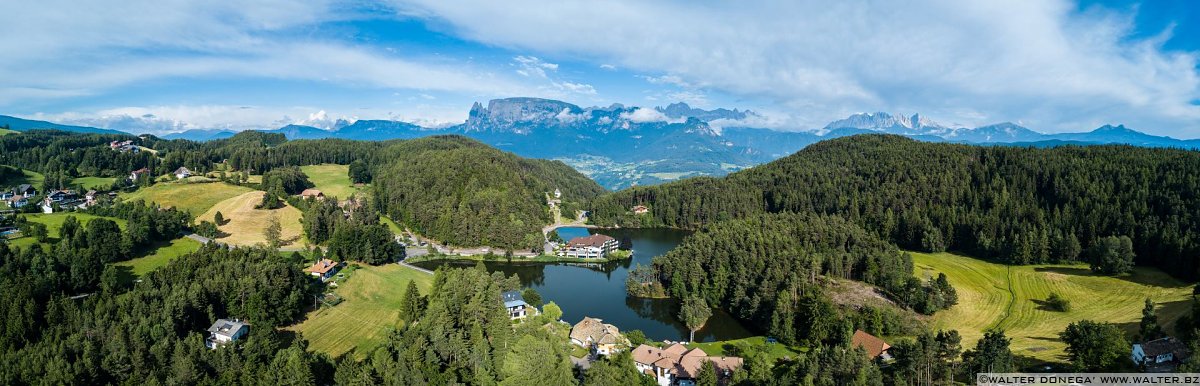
<point x="1138" y="276"/>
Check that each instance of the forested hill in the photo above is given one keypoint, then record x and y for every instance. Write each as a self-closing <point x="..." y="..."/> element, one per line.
<point x="1019" y="205"/>
<point x="463" y="192"/>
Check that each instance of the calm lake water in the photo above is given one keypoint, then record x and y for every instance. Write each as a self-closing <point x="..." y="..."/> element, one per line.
<point x="598" y="290"/>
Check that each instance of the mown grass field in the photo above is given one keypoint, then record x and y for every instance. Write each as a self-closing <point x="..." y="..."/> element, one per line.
<point x="733" y="348"/>
<point x="161" y="255"/>
<point x="194" y="198"/>
<point x="30" y="177"/>
<point x="1011" y="298"/>
<point x="53" y="222"/>
<point x="244" y="224"/>
<point x="392" y="225"/>
<point x="4" y="132"/>
<point x="94" y="182"/>
<point x="370" y="309"/>
<point x="331" y="179"/>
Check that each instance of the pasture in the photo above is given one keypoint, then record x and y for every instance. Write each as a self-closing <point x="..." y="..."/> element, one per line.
<point x="244" y="224"/>
<point x="160" y="256"/>
<point x="369" y="310"/>
<point x="195" y="198"/>
<point x="1013" y="299"/>
<point x="54" y="222"/>
<point x="99" y="183"/>
<point x="331" y="179"/>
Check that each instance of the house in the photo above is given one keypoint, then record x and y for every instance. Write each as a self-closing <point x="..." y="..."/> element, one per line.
<point x="89" y="199"/>
<point x="876" y="348"/>
<point x="133" y="176"/>
<point x="515" y="304"/>
<point x="123" y="146"/>
<point x="312" y="193"/>
<point x="1159" y="352"/>
<point x="600" y="338"/>
<point x="589" y="247"/>
<point x="324" y="269"/>
<point x="676" y="365"/>
<point x="5" y="195"/>
<point x="225" y="331"/>
<point x="25" y="190"/>
<point x="60" y="195"/>
<point x="557" y="193"/>
<point x="182" y="173"/>
<point x="17" y="202"/>
<point x="640" y="209"/>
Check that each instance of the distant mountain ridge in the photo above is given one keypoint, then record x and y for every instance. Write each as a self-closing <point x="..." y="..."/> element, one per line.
<point x="21" y="124"/>
<point x="621" y="146"/>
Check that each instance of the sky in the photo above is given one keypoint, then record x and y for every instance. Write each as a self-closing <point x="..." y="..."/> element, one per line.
<point x="160" y="66"/>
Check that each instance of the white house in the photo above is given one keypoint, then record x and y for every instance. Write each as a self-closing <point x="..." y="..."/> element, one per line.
<point x="17" y="202"/>
<point x="182" y="173"/>
<point x="515" y="305"/>
<point x="1158" y="351"/>
<point x="557" y="193"/>
<point x="676" y="365"/>
<point x="133" y="176"/>
<point x="590" y="247"/>
<point x="324" y="269"/>
<point x="225" y="331"/>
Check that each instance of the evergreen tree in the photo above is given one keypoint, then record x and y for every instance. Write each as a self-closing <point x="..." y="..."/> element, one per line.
<point x="1095" y="347"/>
<point x="413" y="304"/>
<point x="1149" y="328"/>
<point x="273" y="232"/>
<point x="991" y="354"/>
<point x="694" y="312"/>
<point x="707" y="375"/>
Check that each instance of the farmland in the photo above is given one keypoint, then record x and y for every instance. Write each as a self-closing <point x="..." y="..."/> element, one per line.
<point x="163" y="254"/>
<point x="370" y="308"/>
<point x="1011" y="298"/>
<point x="244" y="224"/>
<point x="331" y="179"/>
<point x="193" y="198"/>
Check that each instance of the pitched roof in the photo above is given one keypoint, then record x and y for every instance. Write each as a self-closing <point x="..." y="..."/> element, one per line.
<point x="311" y="193"/>
<point x="596" y="240"/>
<point x="870" y="343"/>
<point x="684" y="363"/>
<point x="512" y="299"/>
<point x="22" y="188"/>
<point x="322" y="267"/>
<point x="142" y="170"/>
<point x="227" y="327"/>
<point x="1162" y="346"/>
<point x="182" y="170"/>
<point x="592" y="330"/>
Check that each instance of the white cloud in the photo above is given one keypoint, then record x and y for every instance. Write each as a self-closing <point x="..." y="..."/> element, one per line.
<point x="1039" y="61"/>
<point x="607" y="66"/>
<point x="644" y="115"/>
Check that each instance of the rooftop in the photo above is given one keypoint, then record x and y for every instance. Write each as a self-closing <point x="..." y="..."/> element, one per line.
<point x="322" y="267"/>
<point x="596" y="240"/>
<point x="870" y="343"/>
<point x="227" y="327"/>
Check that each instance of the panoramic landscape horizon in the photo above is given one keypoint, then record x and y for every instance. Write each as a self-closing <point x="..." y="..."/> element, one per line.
<point x="670" y="193"/>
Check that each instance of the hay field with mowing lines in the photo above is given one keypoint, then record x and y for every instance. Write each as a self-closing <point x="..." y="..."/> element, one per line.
<point x="369" y="310"/>
<point x="244" y="225"/>
<point x="1011" y="298"/>
<point x="331" y="179"/>
<point x="194" y="198"/>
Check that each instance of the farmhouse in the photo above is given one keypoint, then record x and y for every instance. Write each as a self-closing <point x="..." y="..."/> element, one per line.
<point x="182" y="173"/>
<point x="600" y="338"/>
<point x="312" y="193"/>
<point x="225" y="331"/>
<point x="515" y="305"/>
<point x="133" y="176"/>
<point x="590" y="247"/>
<point x="17" y="202"/>
<point x="1159" y="352"/>
<point x="876" y="348"/>
<point x="25" y="190"/>
<point x="640" y="209"/>
<point x="676" y="365"/>
<point x="324" y="269"/>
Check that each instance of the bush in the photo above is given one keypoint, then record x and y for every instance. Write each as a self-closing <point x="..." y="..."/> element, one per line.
<point x="1058" y="303"/>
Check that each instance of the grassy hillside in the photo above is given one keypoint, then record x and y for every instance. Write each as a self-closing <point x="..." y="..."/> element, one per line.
<point x="331" y="179"/>
<point x="164" y="253"/>
<point x="370" y="310"/>
<point x="244" y="225"/>
<point x="4" y="132"/>
<point x="28" y="177"/>
<point x="194" y="198"/>
<point x="998" y="296"/>
<point x="94" y="182"/>
<point x="54" y="221"/>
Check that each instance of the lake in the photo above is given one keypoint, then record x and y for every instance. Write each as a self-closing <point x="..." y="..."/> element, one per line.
<point x="598" y="290"/>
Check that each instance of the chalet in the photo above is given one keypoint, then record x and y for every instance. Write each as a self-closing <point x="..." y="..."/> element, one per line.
<point x="599" y="338"/>
<point x="590" y="247"/>
<point x="17" y="202"/>
<point x="1158" y="353"/>
<point x="515" y="305"/>
<point x="89" y="199"/>
<point x="676" y="365"/>
<point x="876" y="348"/>
<point x="324" y="269"/>
<point x="640" y="209"/>
<point x="25" y="190"/>
<point x="225" y="331"/>
<point x="312" y="193"/>
<point x="133" y="176"/>
<point x="182" y="173"/>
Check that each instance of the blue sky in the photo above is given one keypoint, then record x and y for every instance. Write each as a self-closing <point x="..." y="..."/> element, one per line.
<point x="164" y="66"/>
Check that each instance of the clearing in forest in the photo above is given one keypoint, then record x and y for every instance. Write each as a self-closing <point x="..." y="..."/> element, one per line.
<point x="195" y="198"/>
<point x="331" y="179"/>
<point x="244" y="224"/>
<point x="370" y="309"/>
<point x="1013" y="298"/>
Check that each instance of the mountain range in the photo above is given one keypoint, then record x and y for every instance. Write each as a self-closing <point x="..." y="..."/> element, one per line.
<point x="620" y="146"/>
